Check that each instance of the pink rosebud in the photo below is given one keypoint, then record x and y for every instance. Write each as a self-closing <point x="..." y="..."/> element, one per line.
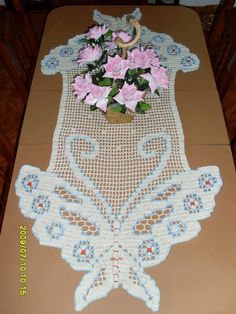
<point x="89" y="54"/>
<point x="129" y="96"/>
<point x="157" y="78"/>
<point x="98" y="96"/>
<point x="116" y="67"/>
<point x="96" y="32"/>
<point x="82" y="86"/>
<point x="140" y="58"/>
<point x="122" y="35"/>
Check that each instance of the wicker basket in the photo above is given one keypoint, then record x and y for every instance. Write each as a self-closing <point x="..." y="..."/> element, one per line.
<point x="118" y="118"/>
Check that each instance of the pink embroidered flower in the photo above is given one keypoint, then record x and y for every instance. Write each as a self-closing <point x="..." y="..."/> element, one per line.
<point x="157" y="78"/>
<point x="96" y="32"/>
<point x="122" y="35"/>
<point x="129" y="96"/>
<point x="89" y="54"/>
<point x="116" y="67"/>
<point x="140" y="58"/>
<point x="98" y="96"/>
<point x="82" y="86"/>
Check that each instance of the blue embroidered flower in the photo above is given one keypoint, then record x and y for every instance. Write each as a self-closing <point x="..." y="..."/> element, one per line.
<point x="143" y="31"/>
<point x="55" y="230"/>
<point x="80" y="39"/>
<point x="176" y="228"/>
<point x="156" y="49"/>
<point x="173" y="50"/>
<point x="30" y="182"/>
<point x="206" y="182"/>
<point x="193" y="203"/>
<point x="83" y="252"/>
<point x="158" y="38"/>
<point x="188" y="61"/>
<point x="52" y="63"/>
<point x="41" y="204"/>
<point x="66" y="52"/>
<point x="148" y="250"/>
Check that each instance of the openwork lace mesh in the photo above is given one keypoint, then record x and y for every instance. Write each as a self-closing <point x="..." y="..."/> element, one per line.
<point x="116" y="197"/>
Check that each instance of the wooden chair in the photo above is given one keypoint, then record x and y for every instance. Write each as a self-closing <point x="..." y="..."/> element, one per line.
<point x="57" y="3"/>
<point x="18" y="49"/>
<point x="6" y="169"/>
<point x="222" y="51"/>
<point x="18" y="52"/>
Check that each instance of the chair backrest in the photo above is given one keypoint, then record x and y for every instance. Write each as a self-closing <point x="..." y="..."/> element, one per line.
<point x="56" y="3"/>
<point x="218" y="25"/>
<point x="18" y="48"/>
<point x="19" y="6"/>
<point x="222" y="50"/>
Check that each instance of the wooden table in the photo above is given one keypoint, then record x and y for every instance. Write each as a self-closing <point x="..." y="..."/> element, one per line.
<point x="198" y="277"/>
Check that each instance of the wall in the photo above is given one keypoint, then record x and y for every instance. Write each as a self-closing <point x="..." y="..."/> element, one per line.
<point x="2" y="2"/>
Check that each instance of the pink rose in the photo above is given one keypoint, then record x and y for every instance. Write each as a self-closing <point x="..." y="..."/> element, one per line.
<point x="116" y="67"/>
<point x="140" y="58"/>
<point x="98" y="96"/>
<point x="157" y="78"/>
<point x="82" y="86"/>
<point x="96" y="32"/>
<point x="122" y="35"/>
<point x="89" y="54"/>
<point x="129" y="96"/>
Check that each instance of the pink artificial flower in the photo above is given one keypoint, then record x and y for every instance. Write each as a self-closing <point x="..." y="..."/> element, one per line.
<point x="82" y="86"/>
<point x="116" y="67"/>
<point x="89" y="54"/>
<point x="157" y="78"/>
<point x="122" y="35"/>
<point x="96" y="32"/>
<point x="98" y="96"/>
<point x="140" y="58"/>
<point x="129" y="96"/>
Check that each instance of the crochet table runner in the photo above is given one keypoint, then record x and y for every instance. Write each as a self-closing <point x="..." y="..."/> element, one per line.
<point x="116" y="197"/>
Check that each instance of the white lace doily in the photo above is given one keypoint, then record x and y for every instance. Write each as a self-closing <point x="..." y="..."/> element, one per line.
<point x="115" y="198"/>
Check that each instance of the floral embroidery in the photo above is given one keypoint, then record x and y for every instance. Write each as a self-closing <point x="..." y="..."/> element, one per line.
<point x="55" y="230"/>
<point x="148" y="250"/>
<point x="207" y="182"/>
<point x="66" y="52"/>
<point x="30" y="182"/>
<point x="193" y="203"/>
<point x="52" y="63"/>
<point x="83" y="252"/>
<point x="157" y="38"/>
<point x="41" y="204"/>
<point x="188" y="61"/>
<point x="173" y="50"/>
<point x="176" y="228"/>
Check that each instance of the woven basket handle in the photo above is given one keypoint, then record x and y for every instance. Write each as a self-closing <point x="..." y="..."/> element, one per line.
<point x="124" y="45"/>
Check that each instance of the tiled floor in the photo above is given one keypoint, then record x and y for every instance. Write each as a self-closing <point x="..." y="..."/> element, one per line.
<point x="11" y="105"/>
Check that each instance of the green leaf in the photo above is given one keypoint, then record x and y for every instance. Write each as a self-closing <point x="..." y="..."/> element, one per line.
<point x="144" y="106"/>
<point x="92" y="108"/>
<point x="105" y="82"/>
<point x="142" y="84"/>
<point x="117" y="108"/>
<point x="113" y="92"/>
<point x="108" y="33"/>
<point x="157" y="92"/>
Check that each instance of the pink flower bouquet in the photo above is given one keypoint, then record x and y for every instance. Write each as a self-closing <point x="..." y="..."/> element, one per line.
<point x="110" y="81"/>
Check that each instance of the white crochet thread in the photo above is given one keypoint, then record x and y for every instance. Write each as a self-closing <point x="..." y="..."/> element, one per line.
<point x="115" y="198"/>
